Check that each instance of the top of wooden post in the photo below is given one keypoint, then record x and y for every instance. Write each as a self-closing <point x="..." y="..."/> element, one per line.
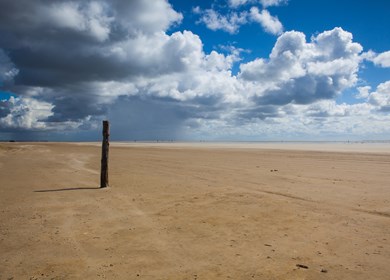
<point x="106" y="127"/>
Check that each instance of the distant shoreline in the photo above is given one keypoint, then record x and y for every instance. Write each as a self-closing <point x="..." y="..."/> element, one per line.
<point x="260" y="142"/>
<point x="210" y="142"/>
<point x="323" y="146"/>
<point x="367" y="146"/>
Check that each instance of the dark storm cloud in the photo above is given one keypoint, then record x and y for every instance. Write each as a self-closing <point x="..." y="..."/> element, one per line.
<point x="60" y="61"/>
<point x="4" y="108"/>
<point x="303" y="90"/>
<point x="62" y="46"/>
<point x="45" y="33"/>
<point x="258" y="112"/>
<point x="73" y="108"/>
<point x="59" y="66"/>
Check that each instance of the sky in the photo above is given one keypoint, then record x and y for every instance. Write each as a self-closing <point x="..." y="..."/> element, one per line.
<point x="222" y="70"/>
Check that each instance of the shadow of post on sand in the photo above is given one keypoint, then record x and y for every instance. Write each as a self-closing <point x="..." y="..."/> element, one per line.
<point x="67" y="189"/>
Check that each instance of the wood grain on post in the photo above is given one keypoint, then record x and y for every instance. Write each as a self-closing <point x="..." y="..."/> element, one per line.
<point x="105" y="148"/>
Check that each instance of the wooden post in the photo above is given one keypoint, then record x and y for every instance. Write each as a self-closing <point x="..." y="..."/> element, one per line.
<point x="105" y="148"/>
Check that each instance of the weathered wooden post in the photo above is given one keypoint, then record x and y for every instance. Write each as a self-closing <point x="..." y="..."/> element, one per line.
<point x="105" y="148"/>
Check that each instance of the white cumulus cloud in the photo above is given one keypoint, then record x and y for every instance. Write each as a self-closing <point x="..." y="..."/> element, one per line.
<point x="120" y="61"/>
<point x="382" y="59"/>
<point x="7" y="69"/>
<point x="268" y="3"/>
<point x="229" y="23"/>
<point x="380" y="98"/>
<point x="271" y="24"/>
<point x="25" y="113"/>
<point x="237" y="3"/>
<point x="302" y="72"/>
<point x="264" y="3"/>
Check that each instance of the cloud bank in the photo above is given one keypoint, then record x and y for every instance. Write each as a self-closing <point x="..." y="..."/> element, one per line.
<point x="73" y="63"/>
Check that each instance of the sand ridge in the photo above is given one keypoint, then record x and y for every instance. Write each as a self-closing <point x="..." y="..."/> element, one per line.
<point x="192" y="213"/>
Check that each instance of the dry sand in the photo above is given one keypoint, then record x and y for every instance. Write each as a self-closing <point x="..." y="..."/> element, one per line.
<point x="190" y="212"/>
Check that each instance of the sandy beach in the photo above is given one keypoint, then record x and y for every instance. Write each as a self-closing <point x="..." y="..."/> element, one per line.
<point x="186" y="211"/>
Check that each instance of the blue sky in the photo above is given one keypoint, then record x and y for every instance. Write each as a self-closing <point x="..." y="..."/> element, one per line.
<point x="368" y="21"/>
<point x="195" y="70"/>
